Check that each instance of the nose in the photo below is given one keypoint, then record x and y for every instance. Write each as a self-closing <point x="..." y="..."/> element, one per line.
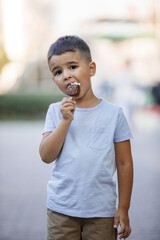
<point x="66" y="75"/>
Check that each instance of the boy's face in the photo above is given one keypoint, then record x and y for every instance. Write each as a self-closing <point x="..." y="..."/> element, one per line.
<point x="72" y="67"/>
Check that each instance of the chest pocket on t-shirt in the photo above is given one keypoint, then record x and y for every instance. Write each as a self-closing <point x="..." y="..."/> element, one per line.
<point x="98" y="138"/>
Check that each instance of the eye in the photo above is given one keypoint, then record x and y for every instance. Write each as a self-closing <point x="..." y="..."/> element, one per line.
<point x="73" y="67"/>
<point x="58" y="72"/>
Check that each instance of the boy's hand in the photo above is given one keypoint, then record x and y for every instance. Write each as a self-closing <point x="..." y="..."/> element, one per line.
<point x="67" y="108"/>
<point x="121" y="217"/>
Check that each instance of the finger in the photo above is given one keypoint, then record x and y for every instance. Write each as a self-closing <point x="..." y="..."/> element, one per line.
<point x="122" y="230"/>
<point x="64" y="99"/>
<point x="124" y="235"/>
<point x="69" y="109"/>
<point x="73" y="99"/>
<point x="68" y="104"/>
<point x="128" y="232"/>
<point x="125" y="232"/>
<point x="116" y="222"/>
<point x="66" y="109"/>
<point x="68" y="98"/>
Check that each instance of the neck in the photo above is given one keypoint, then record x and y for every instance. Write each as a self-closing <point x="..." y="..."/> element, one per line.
<point x="89" y="102"/>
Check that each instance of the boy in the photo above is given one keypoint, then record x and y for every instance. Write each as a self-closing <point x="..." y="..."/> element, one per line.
<point x="86" y="138"/>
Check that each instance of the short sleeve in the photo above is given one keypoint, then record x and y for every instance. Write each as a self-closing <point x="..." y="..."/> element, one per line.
<point x="49" y="125"/>
<point x="122" y="130"/>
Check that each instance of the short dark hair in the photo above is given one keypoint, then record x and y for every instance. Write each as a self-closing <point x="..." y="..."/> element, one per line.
<point x="69" y="44"/>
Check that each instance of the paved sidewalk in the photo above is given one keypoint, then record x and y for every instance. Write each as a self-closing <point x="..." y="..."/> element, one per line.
<point x="23" y="179"/>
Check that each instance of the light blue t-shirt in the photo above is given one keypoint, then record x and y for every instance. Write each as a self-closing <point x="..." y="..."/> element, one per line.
<point x="82" y="182"/>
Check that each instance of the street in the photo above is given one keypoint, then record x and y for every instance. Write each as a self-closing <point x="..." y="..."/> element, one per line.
<point x="23" y="180"/>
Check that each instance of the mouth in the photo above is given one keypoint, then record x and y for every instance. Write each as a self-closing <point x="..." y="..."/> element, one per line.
<point x="73" y="89"/>
<point x="73" y="83"/>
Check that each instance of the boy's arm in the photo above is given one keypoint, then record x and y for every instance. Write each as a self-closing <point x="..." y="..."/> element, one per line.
<point x="125" y="181"/>
<point x="52" y="142"/>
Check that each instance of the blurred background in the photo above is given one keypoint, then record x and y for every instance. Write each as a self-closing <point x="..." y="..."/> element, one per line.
<point x="124" y="37"/>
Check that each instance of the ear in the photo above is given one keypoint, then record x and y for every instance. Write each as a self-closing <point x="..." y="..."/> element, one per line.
<point x="92" y="66"/>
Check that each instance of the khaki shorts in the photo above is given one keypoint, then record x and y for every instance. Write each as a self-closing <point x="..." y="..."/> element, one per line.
<point x="63" y="227"/>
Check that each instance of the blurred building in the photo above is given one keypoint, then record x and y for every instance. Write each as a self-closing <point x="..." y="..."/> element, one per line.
<point x="27" y="29"/>
<point x="131" y="30"/>
<point x="133" y="35"/>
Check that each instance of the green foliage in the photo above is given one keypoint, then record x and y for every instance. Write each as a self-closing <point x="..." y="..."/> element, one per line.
<point x="25" y="107"/>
